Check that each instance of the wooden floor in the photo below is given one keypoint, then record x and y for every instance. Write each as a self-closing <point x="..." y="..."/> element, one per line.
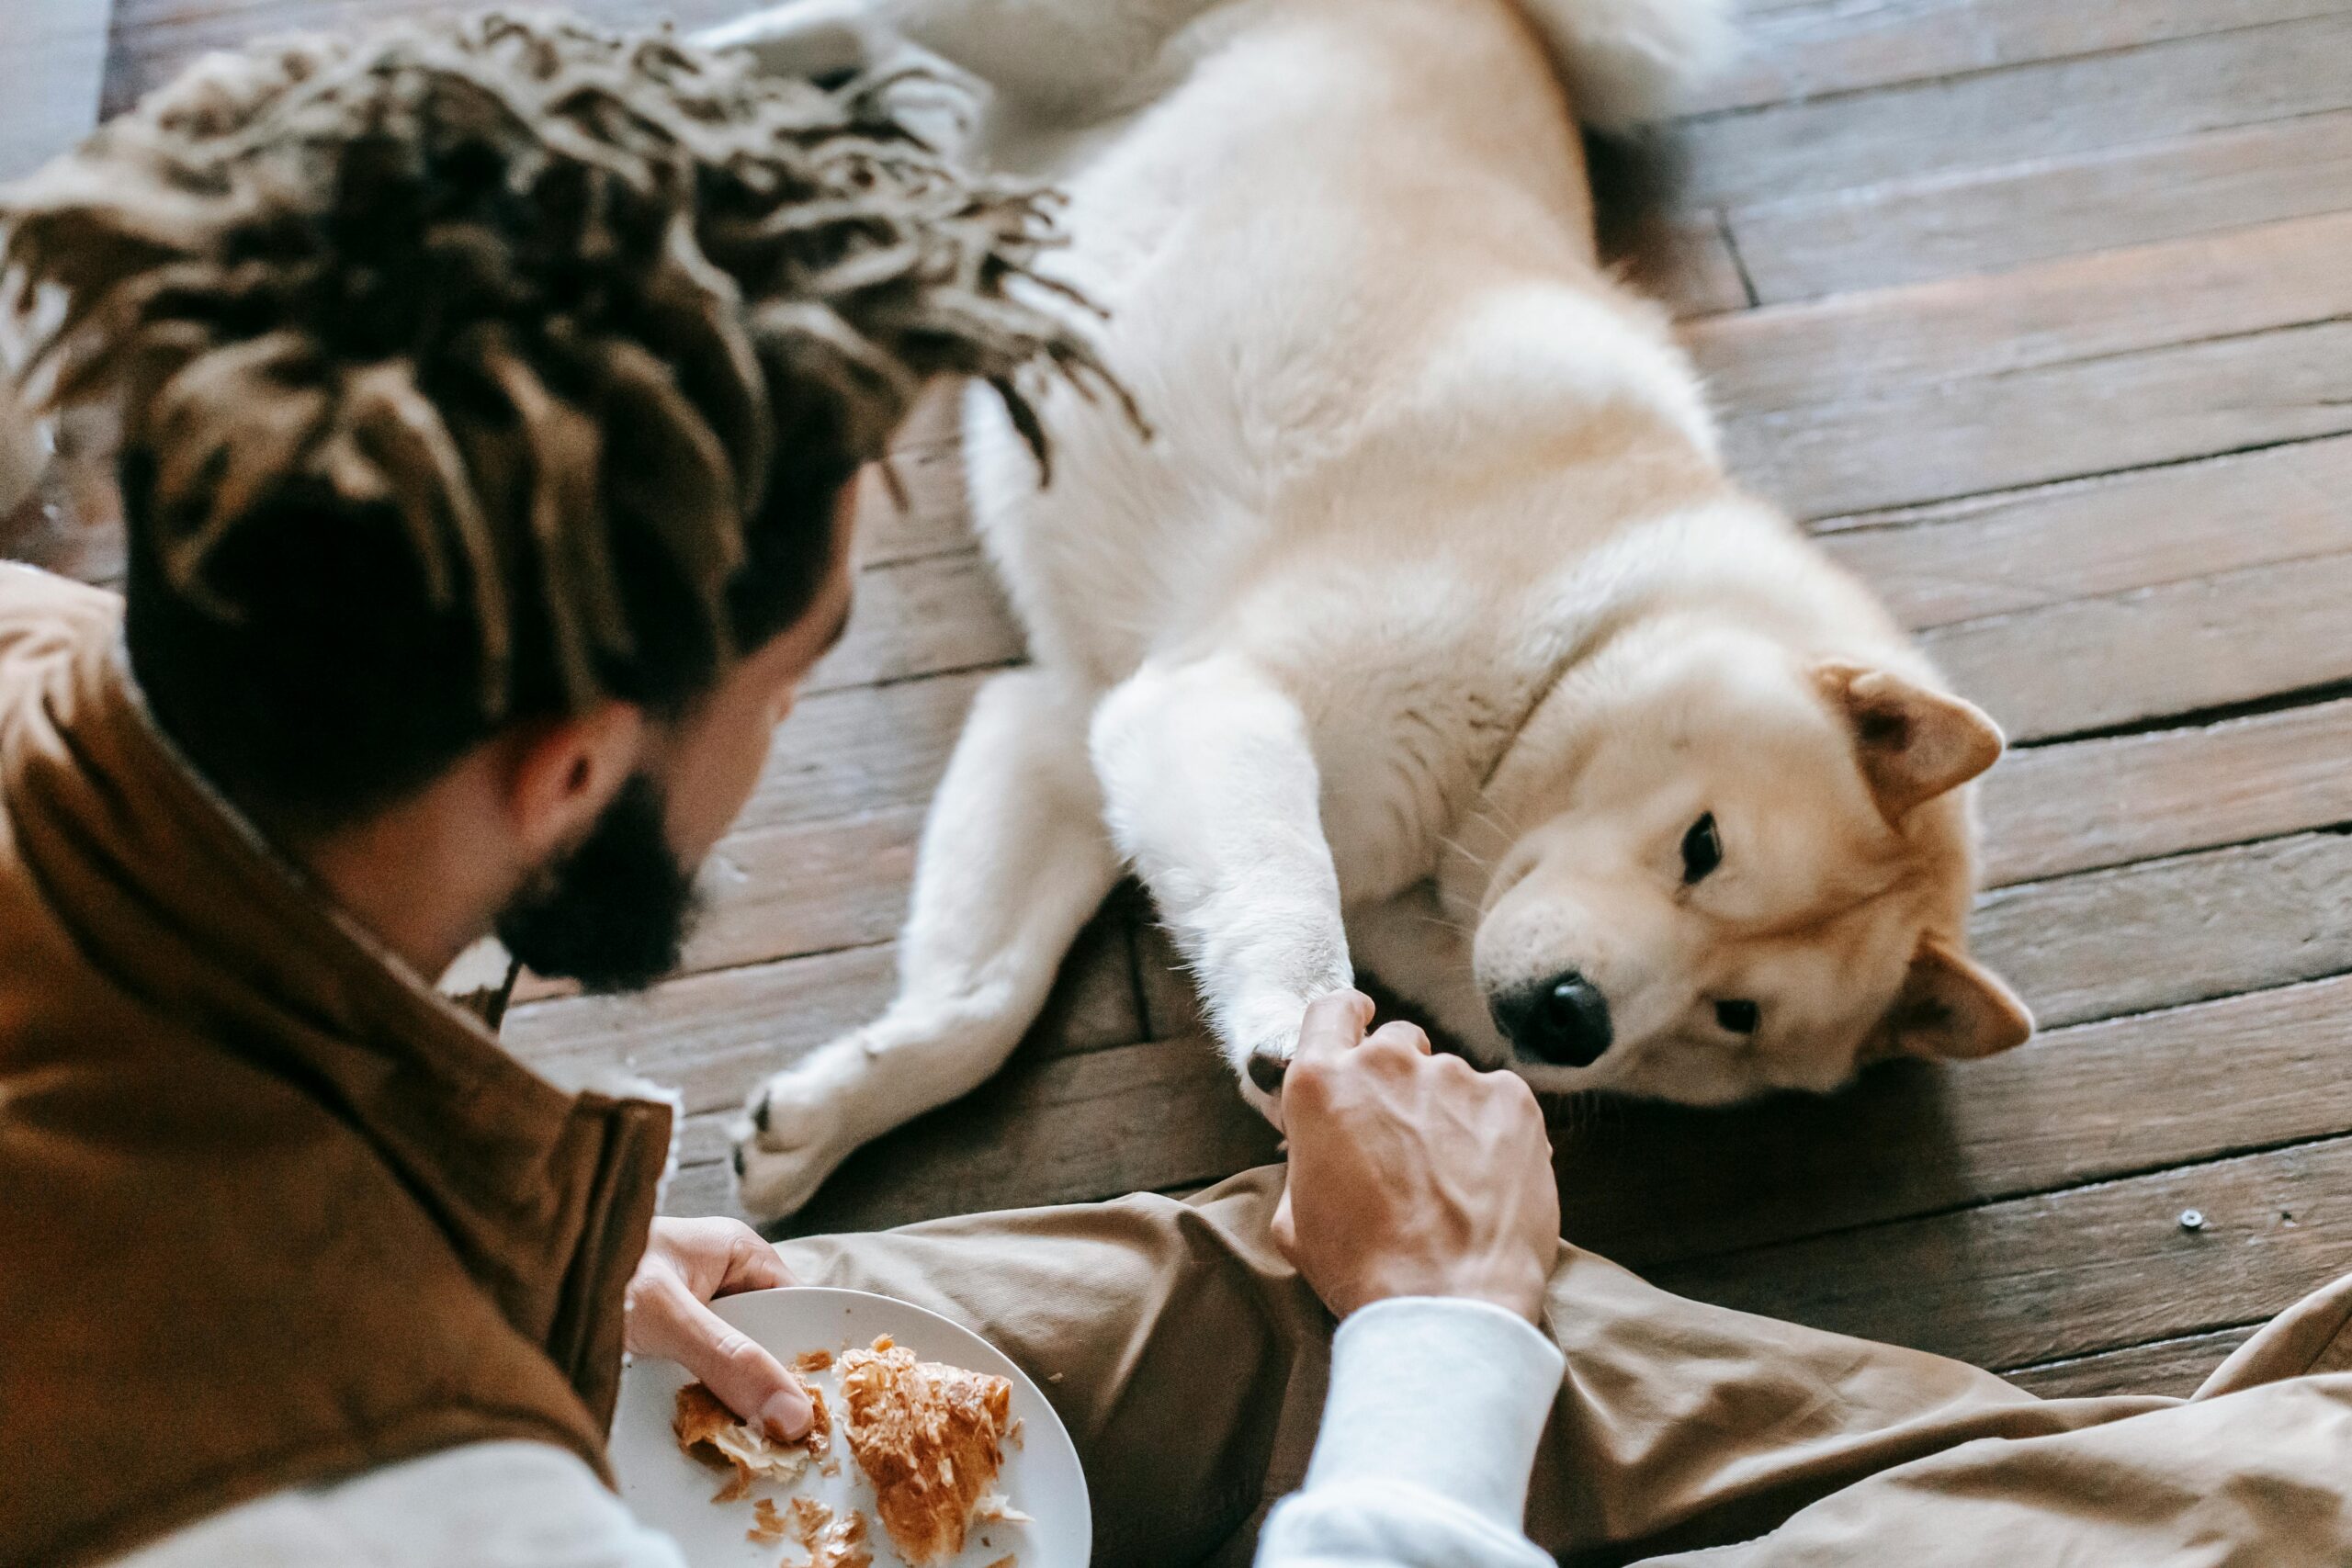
<point x="2041" y="314"/>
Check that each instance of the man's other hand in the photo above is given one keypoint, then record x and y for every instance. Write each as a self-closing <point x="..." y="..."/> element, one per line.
<point x="1412" y="1175"/>
<point x="687" y="1264"/>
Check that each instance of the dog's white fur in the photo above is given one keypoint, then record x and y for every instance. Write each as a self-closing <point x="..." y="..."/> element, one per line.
<point x="1426" y="628"/>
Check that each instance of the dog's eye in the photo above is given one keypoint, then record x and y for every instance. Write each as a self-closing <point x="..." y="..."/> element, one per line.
<point x="1703" y="850"/>
<point x="1740" y="1018"/>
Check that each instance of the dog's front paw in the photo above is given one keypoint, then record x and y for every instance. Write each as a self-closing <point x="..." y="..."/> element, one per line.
<point x="1263" y="1036"/>
<point x="1264" y="1057"/>
<point x="797" y="1131"/>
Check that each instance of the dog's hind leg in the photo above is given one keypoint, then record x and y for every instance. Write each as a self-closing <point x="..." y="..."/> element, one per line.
<point x="1070" y="59"/>
<point x="1213" y="793"/>
<point x="1013" y="861"/>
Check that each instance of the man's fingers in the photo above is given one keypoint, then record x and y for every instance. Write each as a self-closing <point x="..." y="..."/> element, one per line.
<point x="753" y="1264"/>
<point x="1400" y="1033"/>
<point x="1334" y="1024"/>
<point x="1285" y="1226"/>
<point x="747" y="1380"/>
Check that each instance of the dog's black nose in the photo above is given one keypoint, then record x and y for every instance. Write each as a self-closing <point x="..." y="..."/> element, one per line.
<point x="1563" y="1019"/>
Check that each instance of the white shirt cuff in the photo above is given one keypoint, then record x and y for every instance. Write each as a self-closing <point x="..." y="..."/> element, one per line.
<point x="1441" y="1393"/>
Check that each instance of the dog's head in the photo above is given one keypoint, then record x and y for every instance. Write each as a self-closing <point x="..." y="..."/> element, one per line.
<point x="1735" y="873"/>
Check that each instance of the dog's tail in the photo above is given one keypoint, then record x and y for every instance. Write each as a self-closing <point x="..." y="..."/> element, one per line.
<point x="1629" y="61"/>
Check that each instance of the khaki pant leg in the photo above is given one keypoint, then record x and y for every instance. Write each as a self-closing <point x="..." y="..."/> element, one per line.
<point x="1185" y="1356"/>
<point x="2255" y="1470"/>
<point x="2258" y="1479"/>
<point x="1683" y="1425"/>
<point x="1189" y="1362"/>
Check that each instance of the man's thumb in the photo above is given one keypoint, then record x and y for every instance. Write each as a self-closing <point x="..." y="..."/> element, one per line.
<point x="747" y="1380"/>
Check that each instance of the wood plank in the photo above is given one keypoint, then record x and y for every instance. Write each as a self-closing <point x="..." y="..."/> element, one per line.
<point x="1656" y="1185"/>
<point x="927" y="459"/>
<point x="1965" y="437"/>
<point x="2159" y="933"/>
<point x="1819" y="46"/>
<point x="808" y="887"/>
<point x="921" y="617"/>
<point x="2178" y="649"/>
<point x="2090" y="538"/>
<point x="712" y="1036"/>
<point x="2049" y="108"/>
<point x="1986" y="220"/>
<point x="2066" y="1274"/>
<point x="695" y="1191"/>
<point x="935" y="519"/>
<point x="709" y="1036"/>
<point x="1858" y="346"/>
<point x="2087" y="804"/>
<point x="1068" y="1129"/>
<point x="860" y="749"/>
<point x="1099" y="1125"/>
<point x="2174" y="1366"/>
<point x="1684" y="261"/>
<point x="1170" y="1005"/>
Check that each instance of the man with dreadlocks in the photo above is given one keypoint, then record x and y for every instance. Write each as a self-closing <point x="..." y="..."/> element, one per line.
<point x="490" y="395"/>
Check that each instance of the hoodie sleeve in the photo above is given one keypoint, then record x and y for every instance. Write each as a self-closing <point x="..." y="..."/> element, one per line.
<point x="1429" y="1433"/>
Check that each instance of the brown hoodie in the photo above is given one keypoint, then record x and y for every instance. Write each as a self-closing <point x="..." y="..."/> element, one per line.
<point x="271" y="1211"/>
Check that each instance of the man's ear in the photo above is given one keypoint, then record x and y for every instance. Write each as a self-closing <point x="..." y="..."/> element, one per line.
<point x="561" y="775"/>
<point x="1913" y="743"/>
<point x="1951" y="1008"/>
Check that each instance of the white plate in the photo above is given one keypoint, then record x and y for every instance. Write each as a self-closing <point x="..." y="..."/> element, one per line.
<point x="671" y="1493"/>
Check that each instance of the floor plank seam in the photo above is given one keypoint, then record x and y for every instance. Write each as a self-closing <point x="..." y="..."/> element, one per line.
<point x="525" y="1010"/>
<point x="2075" y="1358"/>
<point x="1959" y="510"/>
<point x="1996" y="1200"/>
<point x="885" y="683"/>
<point x="2338" y="828"/>
<point x="2196" y="718"/>
<point x="1945" y="78"/>
<point x="2152" y="350"/>
<point x="1738" y="263"/>
<point x="1824" y="521"/>
<point x="1876" y="191"/>
<point x="1996" y="619"/>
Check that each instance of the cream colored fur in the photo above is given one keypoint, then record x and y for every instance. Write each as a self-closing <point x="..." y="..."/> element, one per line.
<point x="1427" y="627"/>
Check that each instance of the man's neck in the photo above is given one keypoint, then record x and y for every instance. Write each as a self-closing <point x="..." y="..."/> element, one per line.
<point x="413" y="876"/>
<point x="395" y="907"/>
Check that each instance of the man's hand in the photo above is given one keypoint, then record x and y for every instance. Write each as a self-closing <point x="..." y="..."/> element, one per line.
<point x="686" y="1264"/>
<point x="1412" y="1175"/>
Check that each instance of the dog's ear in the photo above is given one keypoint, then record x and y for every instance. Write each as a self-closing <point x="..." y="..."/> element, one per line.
<point x="1913" y="743"/>
<point x="1951" y="1008"/>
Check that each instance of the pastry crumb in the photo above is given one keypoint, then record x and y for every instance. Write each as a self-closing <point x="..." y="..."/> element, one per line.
<point x="706" y="1431"/>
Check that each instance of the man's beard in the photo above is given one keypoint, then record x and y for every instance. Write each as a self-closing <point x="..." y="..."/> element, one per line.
<point x="613" y="912"/>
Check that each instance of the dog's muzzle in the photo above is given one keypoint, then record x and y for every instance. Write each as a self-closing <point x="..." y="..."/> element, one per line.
<point x="1563" y="1021"/>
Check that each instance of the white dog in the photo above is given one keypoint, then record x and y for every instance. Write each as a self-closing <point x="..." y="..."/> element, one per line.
<point x="1427" y="634"/>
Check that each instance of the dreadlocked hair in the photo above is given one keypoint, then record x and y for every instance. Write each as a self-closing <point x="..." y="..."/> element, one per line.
<point x="472" y="369"/>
